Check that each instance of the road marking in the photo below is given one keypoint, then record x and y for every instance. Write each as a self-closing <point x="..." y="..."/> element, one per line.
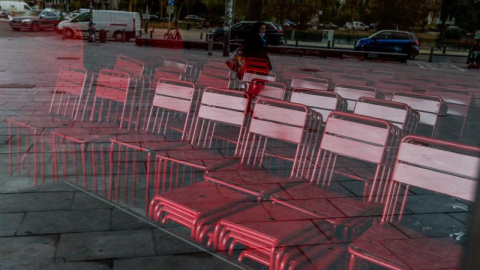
<point x="463" y="70"/>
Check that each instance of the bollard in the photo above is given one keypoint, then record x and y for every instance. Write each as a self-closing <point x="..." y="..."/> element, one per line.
<point x="151" y="34"/>
<point x="123" y="35"/>
<point x="333" y="42"/>
<point x="201" y="35"/>
<point x="210" y="43"/>
<point x="430" y="58"/>
<point x="293" y="35"/>
<point x="355" y="43"/>
<point x="296" y="42"/>
<point x="444" y="49"/>
<point x="328" y="44"/>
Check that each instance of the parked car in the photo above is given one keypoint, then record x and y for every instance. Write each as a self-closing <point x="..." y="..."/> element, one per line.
<point x="356" y="26"/>
<point x="239" y="31"/>
<point x="193" y="18"/>
<point x="5" y="14"/>
<point x="47" y="19"/>
<point x="390" y="41"/>
<point x="329" y="25"/>
<point x="288" y="23"/>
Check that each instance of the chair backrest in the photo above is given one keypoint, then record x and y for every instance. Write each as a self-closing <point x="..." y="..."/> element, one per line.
<point x="353" y="92"/>
<point x="250" y="74"/>
<point x="343" y="78"/>
<point x="310" y="83"/>
<point x="458" y="100"/>
<point x="397" y="113"/>
<point x="166" y="73"/>
<point x="357" y="137"/>
<point x="421" y="84"/>
<point x="436" y="165"/>
<point x="388" y="87"/>
<point x="176" y="64"/>
<point x="323" y="102"/>
<point x="220" y="106"/>
<point x="71" y="92"/>
<point x="429" y="107"/>
<point x="114" y="98"/>
<point x="222" y="71"/>
<point x="213" y="80"/>
<point x="281" y="121"/>
<point x="262" y="88"/>
<point x="172" y="102"/>
<point x="132" y="66"/>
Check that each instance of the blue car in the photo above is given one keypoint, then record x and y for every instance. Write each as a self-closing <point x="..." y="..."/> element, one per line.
<point x="390" y="41"/>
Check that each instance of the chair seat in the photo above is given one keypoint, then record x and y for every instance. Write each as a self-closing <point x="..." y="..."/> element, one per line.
<point x="203" y="159"/>
<point x="253" y="181"/>
<point x="148" y="142"/>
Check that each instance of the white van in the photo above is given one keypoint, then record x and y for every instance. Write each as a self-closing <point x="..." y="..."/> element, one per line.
<point x="356" y="26"/>
<point x="15" y="6"/>
<point x="112" y="21"/>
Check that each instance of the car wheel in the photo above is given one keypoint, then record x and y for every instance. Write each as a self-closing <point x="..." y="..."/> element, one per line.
<point x="412" y="54"/>
<point x="69" y="33"/>
<point x="35" y="27"/>
<point x="118" y="36"/>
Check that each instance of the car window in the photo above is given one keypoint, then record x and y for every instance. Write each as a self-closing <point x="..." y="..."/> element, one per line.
<point x="243" y="26"/>
<point x="398" y="35"/>
<point x="84" y="17"/>
<point x="384" y="35"/>
<point x="51" y="14"/>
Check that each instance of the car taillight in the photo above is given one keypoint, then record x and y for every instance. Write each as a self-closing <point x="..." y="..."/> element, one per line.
<point x="279" y="31"/>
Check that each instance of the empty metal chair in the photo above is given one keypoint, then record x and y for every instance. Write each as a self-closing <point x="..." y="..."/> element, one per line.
<point x="322" y="102"/>
<point x="310" y="83"/>
<point x="353" y="92"/>
<point x="431" y="108"/>
<point x="69" y="101"/>
<point x="213" y="80"/>
<point x="130" y="65"/>
<point x="399" y="114"/>
<point x="459" y="102"/>
<point x="388" y="87"/>
<point x="430" y="164"/>
<point x="269" y="89"/>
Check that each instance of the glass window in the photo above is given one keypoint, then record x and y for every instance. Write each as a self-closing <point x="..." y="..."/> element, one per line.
<point x="398" y="35"/>
<point x="384" y="35"/>
<point x="84" y="17"/>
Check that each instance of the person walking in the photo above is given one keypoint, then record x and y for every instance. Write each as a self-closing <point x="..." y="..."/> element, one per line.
<point x="255" y="44"/>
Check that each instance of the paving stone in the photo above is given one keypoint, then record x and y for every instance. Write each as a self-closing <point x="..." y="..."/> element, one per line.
<point x="56" y="186"/>
<point x="50" y="222"/>
<point x="82" y="200"/>
<point x="462" y="217"/>
<point x="166" y="244"/>
<point x="430" y="225"/>
<point x="35" y="201"/>
<point x="197" y="261"/>
<point x="125" y="221"/>
<point x="105" y="245"/>
<point x="9" y="223"/>
<point x="17" y="184"/>
<point x="23" y="250"/>
<point x="436" y="203"/>
<point x="61" y="266"/>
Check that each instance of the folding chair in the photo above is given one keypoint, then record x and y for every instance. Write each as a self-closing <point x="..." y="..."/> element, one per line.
<point x="420" y="84"/>
<point x="459" y="103"/>
<point x="268" y="89"/>
<point x="353" y="92"/>
<point x="170" y="121"/>
<point x="343" y="78"/>
<point x="213" y="80"/>
<point x="431" y="108"/>
<point x="322" y="102"/>
<point x="180" y="65"/>
<point x="250" y="74"/>
<point x="399" y="114"/>
<point x="388" y="87"/>
<point x="130" y="65"/>
<point x="113" y="112"/>
<point x="166" y="73"/>
<point x="310" y="83"/>
<point x="68" y="105"/>
<point x="440" y="166"/>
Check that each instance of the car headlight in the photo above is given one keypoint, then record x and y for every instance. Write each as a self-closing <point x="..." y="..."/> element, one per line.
<point x="26" y="20"/>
